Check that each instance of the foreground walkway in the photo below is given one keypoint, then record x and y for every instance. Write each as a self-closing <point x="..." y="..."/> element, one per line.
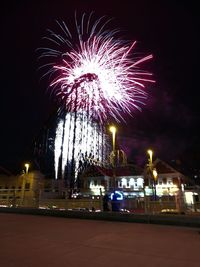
<point x="28" y="241"/>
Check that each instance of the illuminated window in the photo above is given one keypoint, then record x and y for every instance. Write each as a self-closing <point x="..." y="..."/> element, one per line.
<point x="140" y="182"/>
<point x="131" y="182"/>
<point x="124" y="182"/>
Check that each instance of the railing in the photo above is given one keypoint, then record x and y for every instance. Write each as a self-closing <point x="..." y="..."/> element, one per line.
<point x="135" y="205"/>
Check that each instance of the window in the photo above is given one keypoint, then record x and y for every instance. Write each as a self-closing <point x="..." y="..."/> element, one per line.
<point x="132" y="183"/>
<point x="124" y="182"/>
<point x="164" y="180"/>
<point x="175" y="181"/>
<point x="27" y="186"/>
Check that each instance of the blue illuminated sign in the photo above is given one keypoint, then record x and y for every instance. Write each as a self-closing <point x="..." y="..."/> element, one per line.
<point x="117" y="195"/>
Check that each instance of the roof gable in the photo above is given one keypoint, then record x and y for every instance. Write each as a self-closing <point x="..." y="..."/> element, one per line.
<point x="127" y="170"/>
<point x="162" y="167"/>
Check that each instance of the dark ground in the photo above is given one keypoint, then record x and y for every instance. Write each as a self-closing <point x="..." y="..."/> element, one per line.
<point x="28" y="240"/>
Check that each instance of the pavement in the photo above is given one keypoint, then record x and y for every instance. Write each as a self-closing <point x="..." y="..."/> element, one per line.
<point x="28" y="240"/>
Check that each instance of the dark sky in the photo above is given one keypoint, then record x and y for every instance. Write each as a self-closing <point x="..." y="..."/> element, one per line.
<point x="169" y="29"/>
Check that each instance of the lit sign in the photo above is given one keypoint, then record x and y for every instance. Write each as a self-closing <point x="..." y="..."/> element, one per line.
<point x="118" y="195"/>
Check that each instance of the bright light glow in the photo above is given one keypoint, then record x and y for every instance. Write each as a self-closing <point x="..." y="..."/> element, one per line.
<point x="150" y="152"/>
<point x="155" y="174"/>
<point x="96" y="79"/>
<point x="96" y="189"/>
<point x="118" y="194"/>
<point x="97" y="73"/>
<point x="79" y="139"/>
<point x="189" y="198"/>
<point x="27" y="167"/>
<point x="132" y="182"/>
<point x="124" y="182"/>
<point x="113" y="129"/>
<point x="140" y="182"/>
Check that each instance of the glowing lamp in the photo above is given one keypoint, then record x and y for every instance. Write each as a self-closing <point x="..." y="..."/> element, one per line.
<point x="27" y="166"/>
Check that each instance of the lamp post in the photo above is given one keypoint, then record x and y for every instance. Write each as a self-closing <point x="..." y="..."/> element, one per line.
<point x="153" y="171"/>
<point x="115" y="204"/>
<point x="27" y="165"/>
<point x="113" y="131"/>
<point x="150" y="152"/>
<point x="155" y="176"/>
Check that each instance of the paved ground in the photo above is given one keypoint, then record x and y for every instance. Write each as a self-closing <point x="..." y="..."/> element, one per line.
<point x="28" y="241"/>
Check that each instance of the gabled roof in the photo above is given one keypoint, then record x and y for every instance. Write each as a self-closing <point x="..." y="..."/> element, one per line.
<point x="127" y="170"/>
<point x="162" y="167"/>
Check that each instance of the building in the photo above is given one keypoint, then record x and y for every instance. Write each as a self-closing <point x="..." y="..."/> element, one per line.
<point x="168" y="181"/>
<point x="129" y="179"/>
<point x="20" y="190"/>
<point x="32" y="189"/>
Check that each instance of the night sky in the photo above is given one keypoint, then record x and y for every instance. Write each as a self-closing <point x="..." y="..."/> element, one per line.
<point x="168" y="29"/>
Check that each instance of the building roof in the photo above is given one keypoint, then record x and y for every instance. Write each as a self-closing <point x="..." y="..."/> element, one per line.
<point x="163" y="168"/>
<point x="127" y="170"/>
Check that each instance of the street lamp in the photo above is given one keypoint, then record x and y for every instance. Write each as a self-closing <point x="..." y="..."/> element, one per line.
<point x="150" y="152"/>
<point x="114" y="202"/>
<point x="155" y="174"/>
<point x="153" y="171"/>
<point x="113" y="130"/>
<point x="27" y="165"/>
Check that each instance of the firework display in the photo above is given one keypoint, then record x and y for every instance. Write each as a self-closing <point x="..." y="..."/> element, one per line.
<point x="96" y="79"/>
<point x="78" y="141"/>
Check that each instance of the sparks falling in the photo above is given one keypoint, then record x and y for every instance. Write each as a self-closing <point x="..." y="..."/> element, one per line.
<point x="97" y="74"/>
<point x="96" y="79"/>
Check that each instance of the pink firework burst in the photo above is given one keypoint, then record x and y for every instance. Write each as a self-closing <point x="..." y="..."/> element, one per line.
<point x="98" y="73"/>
